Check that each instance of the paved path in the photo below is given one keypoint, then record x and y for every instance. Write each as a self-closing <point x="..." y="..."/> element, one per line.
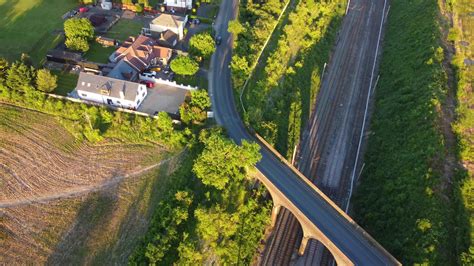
<point x="337" y="228"/>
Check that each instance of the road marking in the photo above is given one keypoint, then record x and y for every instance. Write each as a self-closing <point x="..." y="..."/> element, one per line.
<point x="366" y="109"/>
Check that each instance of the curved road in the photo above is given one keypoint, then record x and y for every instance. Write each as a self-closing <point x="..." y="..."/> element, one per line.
<point x="339" y="230"/>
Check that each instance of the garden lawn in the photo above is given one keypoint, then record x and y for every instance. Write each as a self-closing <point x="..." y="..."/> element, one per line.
<point x="26" y="24"/>
<point x="66" y="82"/>
<point x="124" y="28"/>
<point x="98" y="53"/>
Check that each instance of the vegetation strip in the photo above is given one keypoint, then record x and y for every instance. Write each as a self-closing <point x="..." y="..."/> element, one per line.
<point x="284" y="85"/>
<point x="404" y="199"/>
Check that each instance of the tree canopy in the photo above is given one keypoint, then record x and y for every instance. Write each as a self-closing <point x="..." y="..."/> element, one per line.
<point x="183" y="65"/>
<point x="235" y="27"/>
<point x="202" y="44"/>
<point x="223" y="161"/>
<point x="78" y="32"/>
<point x="19" y="75"/>
<point x="194" y="108"/>
<point x="45" y="81"/>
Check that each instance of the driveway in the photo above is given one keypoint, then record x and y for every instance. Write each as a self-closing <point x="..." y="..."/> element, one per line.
<point x="163" y="98"/>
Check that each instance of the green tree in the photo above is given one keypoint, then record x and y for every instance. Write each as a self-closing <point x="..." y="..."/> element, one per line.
<point x="19" y="75"/>
<point x="193" y="110"/>
<point x="145" y="3"/>
<point x="215" y="225"/>
<point x="4" y="65"/>
<point x="184" y="65"/>
<point x="45" y="81"/>
<point x="78" y="32"/>
<point x="235" y="27"/>
<point x="223" y="161"/>
<point x="240" y="70"/>
<point x="165" y="123"/>
<point x="202" y="44"/>
<point x="77" y="44"/>
<point x="138" y="8"/>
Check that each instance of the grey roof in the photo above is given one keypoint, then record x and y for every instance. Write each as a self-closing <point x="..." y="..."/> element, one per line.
<point x="107" y="86"/>
<point x="122" y="71"/>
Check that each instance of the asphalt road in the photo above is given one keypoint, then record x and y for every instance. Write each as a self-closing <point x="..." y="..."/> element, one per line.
<point x="339" y="230"/>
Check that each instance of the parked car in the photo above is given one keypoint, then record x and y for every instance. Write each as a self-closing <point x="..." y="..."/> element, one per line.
<point x="196" y="21"/>
<point x="83" y="9"/>
<point x="148" y="83"/>
<point x="218" y="39"/>
<point x="156" y="69"/>
<point x="150" y="74"/>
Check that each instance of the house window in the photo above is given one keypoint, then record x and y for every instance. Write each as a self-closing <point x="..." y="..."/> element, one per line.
<point x="143" y="94"/>
<point x="84" y="95"/>
<point x="118" y="102"/>
<point x="83" y="83"/>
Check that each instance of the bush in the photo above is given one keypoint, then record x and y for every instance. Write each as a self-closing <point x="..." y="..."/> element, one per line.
<point x="183" y="65"/>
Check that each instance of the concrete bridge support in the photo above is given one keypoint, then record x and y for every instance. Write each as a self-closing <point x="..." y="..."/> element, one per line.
<point x="310" y="231"/>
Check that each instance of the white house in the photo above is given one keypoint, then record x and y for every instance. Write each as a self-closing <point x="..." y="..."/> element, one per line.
<point x="178" y="5"/>
<point x="174" y="23"/>
<point x="110" y="91"/>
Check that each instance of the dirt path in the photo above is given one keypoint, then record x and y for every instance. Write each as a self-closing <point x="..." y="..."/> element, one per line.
<point x="77" y="191"/>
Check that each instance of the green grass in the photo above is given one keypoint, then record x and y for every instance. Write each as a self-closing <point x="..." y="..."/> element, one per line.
<point x="66" y="82"/>
<point x="123" y="29"/>
<point x="403" y="200"/>
<point x="26" y="26"/>
<point x="98" y="53"/>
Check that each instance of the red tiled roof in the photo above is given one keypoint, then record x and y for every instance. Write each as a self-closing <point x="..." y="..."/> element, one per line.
<point x="140" y="51"/>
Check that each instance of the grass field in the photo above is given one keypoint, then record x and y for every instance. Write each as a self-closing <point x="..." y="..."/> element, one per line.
<point x="98" y="53"/>
<point x="123" y="29"/>
<point x="66" y="82"/>
<point x="26" y="26"/>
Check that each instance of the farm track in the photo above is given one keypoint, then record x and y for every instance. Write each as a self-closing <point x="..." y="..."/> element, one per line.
<point x="328" y="146"/>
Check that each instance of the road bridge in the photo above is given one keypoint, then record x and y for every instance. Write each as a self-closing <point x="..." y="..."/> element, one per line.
<point x="319" y="217"/>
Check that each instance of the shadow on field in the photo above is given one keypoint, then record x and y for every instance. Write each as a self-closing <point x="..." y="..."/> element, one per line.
<point x="110" y="223"/>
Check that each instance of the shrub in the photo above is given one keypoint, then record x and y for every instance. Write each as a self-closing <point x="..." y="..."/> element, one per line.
<point x="45" y="81"/>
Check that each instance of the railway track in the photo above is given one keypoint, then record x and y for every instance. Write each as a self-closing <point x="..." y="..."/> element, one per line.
<point x="329" y="142"/>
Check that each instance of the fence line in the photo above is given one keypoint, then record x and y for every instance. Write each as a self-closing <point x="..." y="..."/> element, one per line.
<point x="169" y="83"/>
